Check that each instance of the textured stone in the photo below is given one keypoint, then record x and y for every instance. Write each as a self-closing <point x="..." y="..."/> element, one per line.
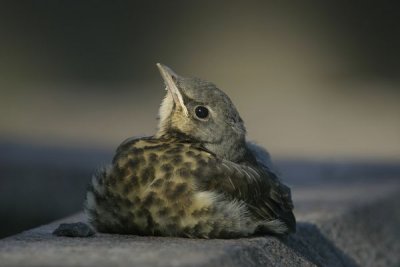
<point x="78" y="229"/>
<point x="345" y="224"/>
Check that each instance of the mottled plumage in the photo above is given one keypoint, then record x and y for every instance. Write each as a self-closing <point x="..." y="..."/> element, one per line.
<point x="196" y="177"/>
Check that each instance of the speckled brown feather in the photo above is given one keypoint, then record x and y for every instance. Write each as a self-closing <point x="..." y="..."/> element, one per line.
<point x="177" y="188"/>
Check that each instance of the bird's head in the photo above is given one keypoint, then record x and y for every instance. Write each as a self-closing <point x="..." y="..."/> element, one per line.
<point x="197" y="110"/>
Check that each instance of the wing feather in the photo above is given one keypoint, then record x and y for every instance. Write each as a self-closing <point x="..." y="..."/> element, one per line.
<point x="266" y="197"/>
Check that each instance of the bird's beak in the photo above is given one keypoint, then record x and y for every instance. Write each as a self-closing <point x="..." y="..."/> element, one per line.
<point x="168" y="76"/>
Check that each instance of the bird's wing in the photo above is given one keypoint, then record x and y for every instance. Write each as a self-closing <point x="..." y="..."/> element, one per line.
<point x="266" y="197"/>
<point x="263" y="158"/>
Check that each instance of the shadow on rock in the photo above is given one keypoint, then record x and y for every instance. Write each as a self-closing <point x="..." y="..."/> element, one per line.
<point x="311" y="244"/>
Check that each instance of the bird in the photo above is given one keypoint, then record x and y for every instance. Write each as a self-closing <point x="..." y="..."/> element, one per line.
<point x="196" y="177"/>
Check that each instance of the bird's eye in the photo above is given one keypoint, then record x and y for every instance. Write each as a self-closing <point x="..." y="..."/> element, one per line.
<point x="201" y="112"/>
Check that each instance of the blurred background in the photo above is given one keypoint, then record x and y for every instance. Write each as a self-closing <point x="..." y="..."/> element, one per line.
<point x="314" y="81"/>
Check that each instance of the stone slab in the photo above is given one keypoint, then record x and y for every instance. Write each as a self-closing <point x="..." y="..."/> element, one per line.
<point x="347" y="224"/>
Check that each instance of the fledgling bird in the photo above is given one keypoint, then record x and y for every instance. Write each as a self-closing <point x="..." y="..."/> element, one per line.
<point x="196" y="177"/>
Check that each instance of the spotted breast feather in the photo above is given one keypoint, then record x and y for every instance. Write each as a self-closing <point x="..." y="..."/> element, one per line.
<point x="171" y="187"/>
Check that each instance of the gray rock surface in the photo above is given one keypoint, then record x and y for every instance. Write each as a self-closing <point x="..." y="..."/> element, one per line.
<point x="78" y="229"/>
<point x="342" y="224"/>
